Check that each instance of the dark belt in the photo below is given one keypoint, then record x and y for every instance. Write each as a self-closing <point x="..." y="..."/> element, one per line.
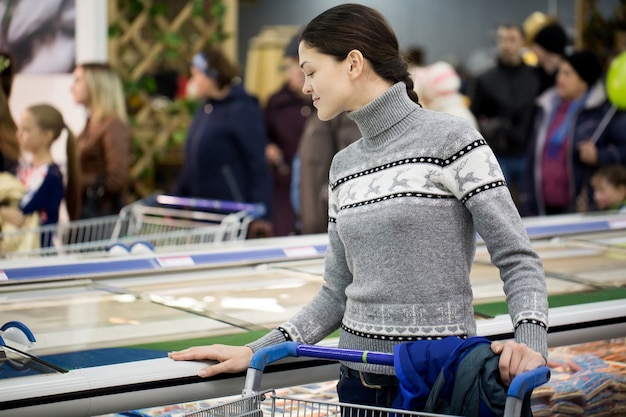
<point x="376" y="381"/>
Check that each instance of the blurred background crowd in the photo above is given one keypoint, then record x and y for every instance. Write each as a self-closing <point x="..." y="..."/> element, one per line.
<point x="188" y="103"/>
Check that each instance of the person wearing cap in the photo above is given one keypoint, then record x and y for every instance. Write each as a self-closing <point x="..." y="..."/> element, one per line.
<point x="549" y="46"/>
<point x="285" y="115"/>
<point x="576" y="132"/>
<point x="224" y="154"/>
<point x="503" y="101"/>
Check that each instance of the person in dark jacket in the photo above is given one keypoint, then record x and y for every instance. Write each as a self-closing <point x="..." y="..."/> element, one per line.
<point x="503" y="102"/>
<point x="224" y="156"/>
<point x="285" y="114"/>
<point x="576" y="131"/>
<point x="549" y="45"/>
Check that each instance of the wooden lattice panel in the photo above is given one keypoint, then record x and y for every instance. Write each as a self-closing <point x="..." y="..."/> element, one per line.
<point x="143" y="43"/>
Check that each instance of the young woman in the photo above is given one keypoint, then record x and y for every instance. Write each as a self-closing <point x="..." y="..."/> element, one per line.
<point x="104" y="145"/>
<point x="405" y="204"/>
<point x="39" y="126"/>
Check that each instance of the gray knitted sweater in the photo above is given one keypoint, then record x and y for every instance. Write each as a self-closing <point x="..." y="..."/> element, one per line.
<point x="405" y="204"/>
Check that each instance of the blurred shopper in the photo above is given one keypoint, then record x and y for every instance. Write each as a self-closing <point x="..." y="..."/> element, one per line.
<point x="415" y="57"/>
<point x="104" y="145"/>
<point x="575" y="133"/>
<point x="609" y="188"/>
<point x="7" y="72"/>
<point x="39" y="126"/>
<point x="224" y="155"/>
<point x="285" y="115"/>
<point x="549" y="46"/>
<point x="320" y="142"/>
<point x="9" y="148"/>
<point x="503" y="101"/>
<point x="438" y="88"/>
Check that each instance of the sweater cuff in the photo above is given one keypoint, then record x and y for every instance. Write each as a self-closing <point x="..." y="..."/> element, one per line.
<point x="534" y="336"/>
<point x="272" y="338"/>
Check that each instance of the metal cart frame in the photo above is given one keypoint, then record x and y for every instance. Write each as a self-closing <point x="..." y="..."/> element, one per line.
<point x="161" y="221"/>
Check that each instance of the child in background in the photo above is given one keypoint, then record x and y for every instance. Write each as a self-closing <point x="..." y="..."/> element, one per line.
<point x="38" y="127"/>
<point x="609" y="188"/>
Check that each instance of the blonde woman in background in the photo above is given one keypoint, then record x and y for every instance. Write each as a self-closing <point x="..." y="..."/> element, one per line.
<point x="104" y="145"/>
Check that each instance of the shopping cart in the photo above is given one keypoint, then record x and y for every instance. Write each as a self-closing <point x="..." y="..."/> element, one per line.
<point x="250" y="403"/>
<point x="159" y="222"/>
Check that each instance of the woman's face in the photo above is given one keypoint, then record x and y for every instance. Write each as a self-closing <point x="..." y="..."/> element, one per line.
<point x="569" y="85"/>
<point x="326" y="80"/>
<point x="30" y="136"/>
<point x="79" y="87"/>
<point x="203" y="85"/>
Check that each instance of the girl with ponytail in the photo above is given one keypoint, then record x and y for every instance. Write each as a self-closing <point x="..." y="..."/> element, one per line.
<point x="39" y="126"/>
<point x="405" y="203"/>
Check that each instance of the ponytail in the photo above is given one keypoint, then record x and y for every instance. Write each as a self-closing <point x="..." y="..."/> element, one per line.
<point x="408" y="81"/>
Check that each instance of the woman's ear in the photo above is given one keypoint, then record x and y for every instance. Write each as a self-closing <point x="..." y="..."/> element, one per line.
<point x="355" y="61"/>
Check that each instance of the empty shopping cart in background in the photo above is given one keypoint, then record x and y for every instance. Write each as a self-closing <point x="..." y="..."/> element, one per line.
<point x="252" y="399"/>
<point x="160" y="222"/>
<point x="168" y="222"/>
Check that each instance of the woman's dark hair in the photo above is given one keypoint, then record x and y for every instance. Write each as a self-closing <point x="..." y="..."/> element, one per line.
<point x="227" y="72"/>
<point x="346" y="27"/>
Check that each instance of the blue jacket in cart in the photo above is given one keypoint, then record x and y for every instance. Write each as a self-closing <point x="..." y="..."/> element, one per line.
<point x="451" y="376"/>
<point x="225" y="152"/>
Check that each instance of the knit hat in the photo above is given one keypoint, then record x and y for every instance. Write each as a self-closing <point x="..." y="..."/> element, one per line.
<point x="292" y="47"/>
<point x="201" y="62"/>
<point x="438" y="79"/>
<point x="587" y="65"/>
<point x="552" y="38"/>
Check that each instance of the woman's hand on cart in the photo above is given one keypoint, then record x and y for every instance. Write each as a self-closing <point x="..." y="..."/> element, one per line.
<point x="516" y="358"/>
<point x="230" y="359"/>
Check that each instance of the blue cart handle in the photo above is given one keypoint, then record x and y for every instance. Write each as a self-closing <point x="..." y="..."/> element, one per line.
<point x="270" y="354"/>
<point x="527" y="381"/>
<point x="256" y="210"/>
<point x="520" y="386"/>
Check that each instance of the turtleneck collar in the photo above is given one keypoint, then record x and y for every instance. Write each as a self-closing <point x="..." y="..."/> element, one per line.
<point x="377" y="119"/>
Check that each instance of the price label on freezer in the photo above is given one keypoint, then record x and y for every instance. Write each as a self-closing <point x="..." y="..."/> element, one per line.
<point x="300" y="251"/>
<point x="175" y="261"/>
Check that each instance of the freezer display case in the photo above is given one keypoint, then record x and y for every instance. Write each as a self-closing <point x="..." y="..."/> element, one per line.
<point x="101" y="327"/>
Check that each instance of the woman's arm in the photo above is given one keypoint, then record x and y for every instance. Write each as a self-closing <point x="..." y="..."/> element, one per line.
<point x="116" y="143"/>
